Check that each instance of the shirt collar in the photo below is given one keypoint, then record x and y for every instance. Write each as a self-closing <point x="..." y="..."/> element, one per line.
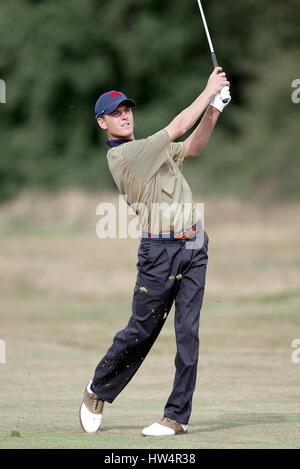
<point x="115" y="143"/>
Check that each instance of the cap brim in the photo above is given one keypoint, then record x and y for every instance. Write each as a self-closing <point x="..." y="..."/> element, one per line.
<point x="117" y="103"/>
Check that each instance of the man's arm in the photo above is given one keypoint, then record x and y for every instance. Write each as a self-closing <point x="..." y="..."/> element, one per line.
<point x="196" y="142"/>
<point x="187" y="118"/>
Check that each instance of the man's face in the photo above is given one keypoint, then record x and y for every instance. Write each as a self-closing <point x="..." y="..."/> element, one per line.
<point x="119" y="124"/>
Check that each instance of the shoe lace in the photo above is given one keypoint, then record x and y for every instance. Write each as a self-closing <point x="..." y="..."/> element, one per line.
<point x="96" y="400"/>
<point x="166" y="418"/>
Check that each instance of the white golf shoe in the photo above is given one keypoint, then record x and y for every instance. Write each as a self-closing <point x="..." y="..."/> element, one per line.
<point x="90" y="414"/>
<point x="165" y="427"/>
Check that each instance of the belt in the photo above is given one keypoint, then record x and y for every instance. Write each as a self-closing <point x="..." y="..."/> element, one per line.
<point x="182" y="235"/>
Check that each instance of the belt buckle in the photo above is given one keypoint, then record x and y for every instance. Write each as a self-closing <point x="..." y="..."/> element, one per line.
<point x="187" y="234"/>
<point x="191" y="232"/>
<point x="181" y="235"/>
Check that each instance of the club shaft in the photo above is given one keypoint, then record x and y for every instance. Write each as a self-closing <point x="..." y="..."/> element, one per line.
<point x="213" y="55"/>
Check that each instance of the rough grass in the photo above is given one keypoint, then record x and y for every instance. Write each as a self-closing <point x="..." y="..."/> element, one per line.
<point x="64" y="293"/>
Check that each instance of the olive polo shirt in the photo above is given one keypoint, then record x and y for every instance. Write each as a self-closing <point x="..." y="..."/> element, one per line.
<point x="148" y="172"/>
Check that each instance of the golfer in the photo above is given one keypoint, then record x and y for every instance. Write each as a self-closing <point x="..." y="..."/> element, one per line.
<point x="172" y="256"/>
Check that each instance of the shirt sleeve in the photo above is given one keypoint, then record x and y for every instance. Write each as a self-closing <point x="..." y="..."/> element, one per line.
<point x="144" y="157"/>
<point x="178" y="153"/>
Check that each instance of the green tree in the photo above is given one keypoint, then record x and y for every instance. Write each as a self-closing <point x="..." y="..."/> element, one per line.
<point x="58" y="57"/>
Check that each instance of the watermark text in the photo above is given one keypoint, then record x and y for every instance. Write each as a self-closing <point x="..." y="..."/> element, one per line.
<point x="296" y="353"/>
<point x="296" y="93"/>
<point x="137" y="219"/>
<point x="2" y="351"/>
<point x="2" y="91"/>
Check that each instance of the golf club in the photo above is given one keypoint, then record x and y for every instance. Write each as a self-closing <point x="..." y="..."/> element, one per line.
<point x="213" y="55"/>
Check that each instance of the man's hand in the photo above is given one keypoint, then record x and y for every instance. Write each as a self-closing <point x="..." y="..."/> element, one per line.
<point x="216" y="81"/>
<point x="219" y="84"/>
<point x="221" y="99"/>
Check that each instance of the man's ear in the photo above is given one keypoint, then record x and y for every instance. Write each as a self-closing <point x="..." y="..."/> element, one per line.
<point x="102" y="123"/>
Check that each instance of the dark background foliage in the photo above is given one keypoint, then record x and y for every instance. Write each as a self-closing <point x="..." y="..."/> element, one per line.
<point x="57" y="57"/>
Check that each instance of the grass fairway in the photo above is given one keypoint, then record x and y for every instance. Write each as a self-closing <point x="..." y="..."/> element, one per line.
<point x="64" y="294"/>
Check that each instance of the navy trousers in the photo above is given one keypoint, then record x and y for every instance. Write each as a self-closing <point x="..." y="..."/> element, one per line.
<point x="168" y="271"/>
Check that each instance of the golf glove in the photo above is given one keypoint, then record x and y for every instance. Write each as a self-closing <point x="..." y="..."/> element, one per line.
<point x="221" y="99"/>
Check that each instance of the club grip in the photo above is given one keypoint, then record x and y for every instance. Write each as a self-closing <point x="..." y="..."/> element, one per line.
<point x="225" y="99"/>
<point x="214" y="59"/>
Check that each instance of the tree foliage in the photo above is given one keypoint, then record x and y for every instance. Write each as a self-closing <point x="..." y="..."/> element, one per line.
<point x="58" y="57"/>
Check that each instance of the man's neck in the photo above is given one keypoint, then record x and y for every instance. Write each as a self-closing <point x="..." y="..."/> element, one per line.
<point x="115" y="143"/>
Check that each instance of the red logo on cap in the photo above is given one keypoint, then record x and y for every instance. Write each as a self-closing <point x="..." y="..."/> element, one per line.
<point x="113" y="94"/>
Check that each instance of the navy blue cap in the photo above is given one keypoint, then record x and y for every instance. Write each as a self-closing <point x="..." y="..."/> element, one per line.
<point x="109" y="101"/>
